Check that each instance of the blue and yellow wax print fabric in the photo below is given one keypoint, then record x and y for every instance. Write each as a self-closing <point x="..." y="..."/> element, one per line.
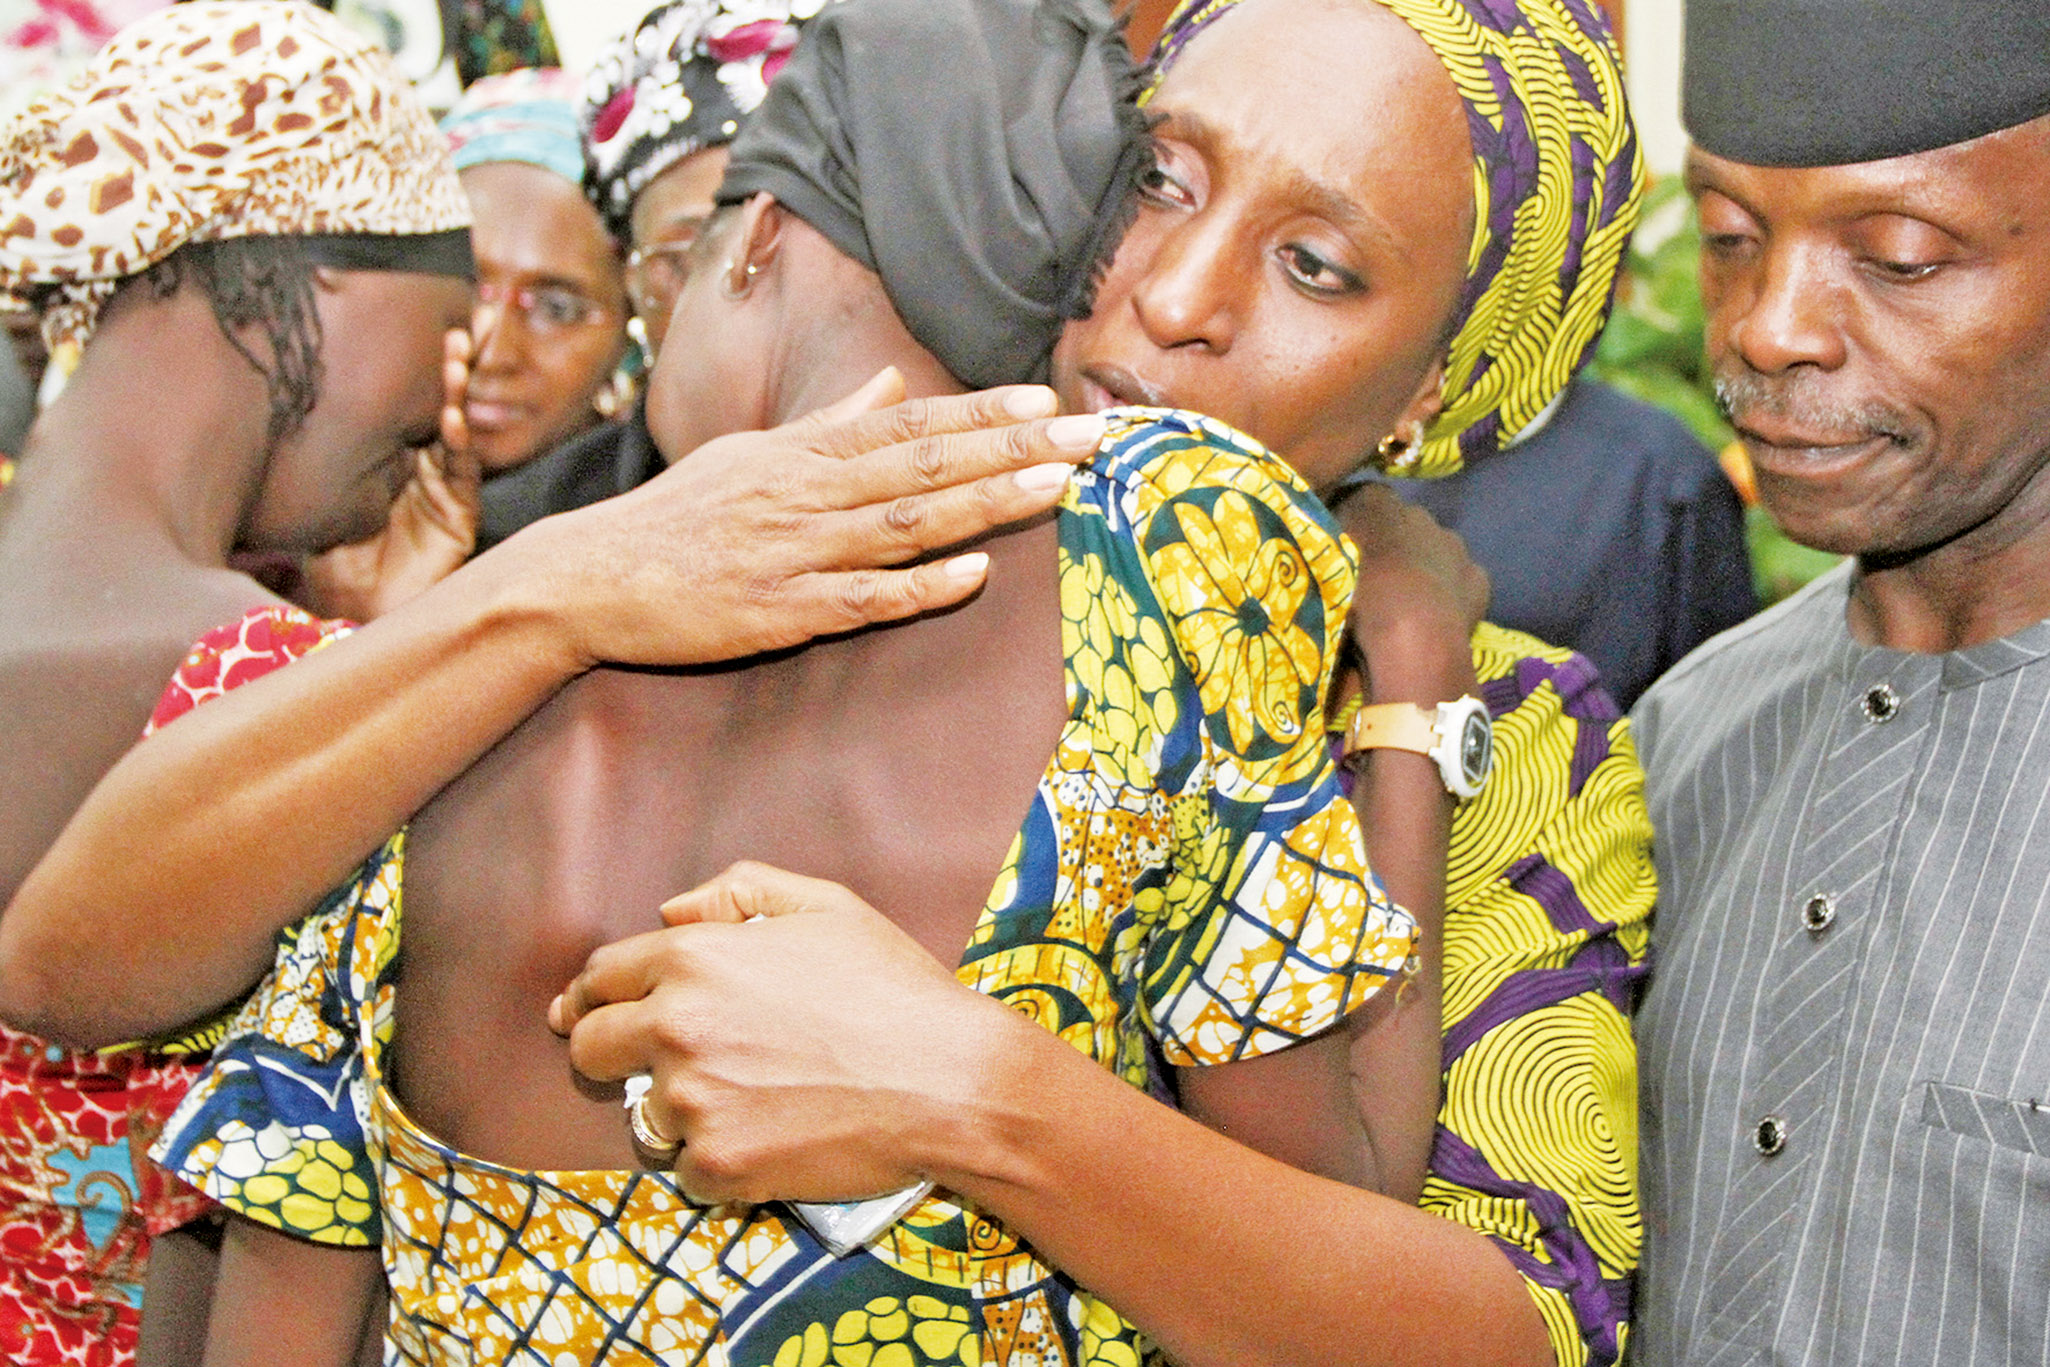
<point x="1189" y="885"/>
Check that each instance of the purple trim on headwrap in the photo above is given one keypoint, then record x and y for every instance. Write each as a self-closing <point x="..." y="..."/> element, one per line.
<point x="1509" y="154"/>
<point x="1183" y="27"/>
<point x="1590" y="19"/>
<point x="1582" y="78"/>
<point x="1616" y="198"/>
<point x="1503" y="16"/>
<point x="1600" y="1305"/>
<point x="1583" y="214"/>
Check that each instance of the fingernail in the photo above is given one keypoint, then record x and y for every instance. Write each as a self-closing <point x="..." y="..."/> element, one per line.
<point x="1037" y="479"/>
<point x="1078" y="432"/>
<point x="969" y="566"/>
<point x="1030" y="401"/>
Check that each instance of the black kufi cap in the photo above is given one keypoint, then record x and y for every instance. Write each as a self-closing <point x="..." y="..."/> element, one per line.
<point x="976" y="154"/>
<point x="1832" y="82"/>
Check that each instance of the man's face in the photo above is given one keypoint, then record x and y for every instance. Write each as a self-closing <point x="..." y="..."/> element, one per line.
<point x="1880" y="334"/>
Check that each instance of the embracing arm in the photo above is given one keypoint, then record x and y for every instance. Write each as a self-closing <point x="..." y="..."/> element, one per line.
<point x="1418" y="600"/>
<point x="158" y="903"/>
<point x="1169" y="1221"/>
<point x="1172" y="1223"/>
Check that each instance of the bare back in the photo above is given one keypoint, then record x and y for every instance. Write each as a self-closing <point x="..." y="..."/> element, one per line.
<point x="898" y="761"/>
<point x="92" y="625"/>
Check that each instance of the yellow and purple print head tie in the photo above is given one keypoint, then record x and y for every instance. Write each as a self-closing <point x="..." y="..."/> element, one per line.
<point x="1558" y="178"/>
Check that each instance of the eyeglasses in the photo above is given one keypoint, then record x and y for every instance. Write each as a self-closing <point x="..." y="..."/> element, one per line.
<point x="655" y="274"/>
<point x="546" y="308"/>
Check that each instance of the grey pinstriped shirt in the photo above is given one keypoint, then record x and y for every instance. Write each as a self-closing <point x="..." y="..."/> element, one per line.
<point x="1846" y="1043"/>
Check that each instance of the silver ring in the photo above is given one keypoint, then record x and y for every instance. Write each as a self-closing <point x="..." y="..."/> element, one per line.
<point x="646" y="1136"/>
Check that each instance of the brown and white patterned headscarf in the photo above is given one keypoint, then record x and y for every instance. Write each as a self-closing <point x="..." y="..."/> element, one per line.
<point x="210" y="121"/>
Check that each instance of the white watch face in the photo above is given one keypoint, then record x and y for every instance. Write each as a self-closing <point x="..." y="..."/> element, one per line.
<point x="1466" y="746"/>
<point x="1476" y="749"/>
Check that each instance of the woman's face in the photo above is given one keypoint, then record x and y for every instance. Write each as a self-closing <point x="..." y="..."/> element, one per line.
<point x="667" y="217"/>
<point x="1302" y="244"/>
<point x="551" y="312"/>
<point x="332" y="480"/>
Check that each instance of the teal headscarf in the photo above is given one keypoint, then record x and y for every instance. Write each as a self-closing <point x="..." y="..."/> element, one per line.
<point x="526" y="116"/>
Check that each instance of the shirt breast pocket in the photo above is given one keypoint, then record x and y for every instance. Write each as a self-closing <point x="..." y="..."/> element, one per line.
<point x="1977" y="1188"/>
<point x="1998" y="1120"/>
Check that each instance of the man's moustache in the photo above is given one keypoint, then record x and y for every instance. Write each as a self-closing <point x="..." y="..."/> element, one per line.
<point x="1745" y="395"/>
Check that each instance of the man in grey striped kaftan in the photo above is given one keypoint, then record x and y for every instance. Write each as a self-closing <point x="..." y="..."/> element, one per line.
<point x="1846" y="1041"/>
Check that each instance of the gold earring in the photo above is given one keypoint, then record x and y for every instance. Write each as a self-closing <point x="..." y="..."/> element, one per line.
<point x="1399" y="449"/>
<point x="726" y="285"/>
<point x="616" y="397"/>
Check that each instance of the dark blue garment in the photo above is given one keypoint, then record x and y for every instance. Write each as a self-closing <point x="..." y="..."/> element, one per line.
<point x="602" y="463"/>
<point x="1611" y="531"/>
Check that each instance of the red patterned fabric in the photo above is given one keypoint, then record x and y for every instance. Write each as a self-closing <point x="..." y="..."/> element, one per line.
<point x="79" y="1203"/>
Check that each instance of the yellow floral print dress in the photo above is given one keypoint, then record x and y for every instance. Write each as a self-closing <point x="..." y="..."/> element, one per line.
<point x="1189" y="888"/>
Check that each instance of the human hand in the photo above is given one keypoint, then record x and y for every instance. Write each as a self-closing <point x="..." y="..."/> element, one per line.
<point x="1420" y="596"/>
<point x="433" y="524"/>
<point x="801" y="1045"/>
<point x="762" y="540"/>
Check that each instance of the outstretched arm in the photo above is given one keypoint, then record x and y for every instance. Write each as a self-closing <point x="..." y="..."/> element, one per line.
<point x="859" y="1064"/>
<point x="158" y="903"/>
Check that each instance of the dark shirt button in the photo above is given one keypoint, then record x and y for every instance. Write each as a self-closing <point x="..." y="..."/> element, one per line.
<point x="1770" y="1136"/>
<point x="1819" y="913"/>
<point x="1880" y="702"/>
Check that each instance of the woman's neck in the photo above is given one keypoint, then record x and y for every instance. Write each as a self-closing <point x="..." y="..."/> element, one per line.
<point x="847" y="332"/>
<point x="159" y="439"/>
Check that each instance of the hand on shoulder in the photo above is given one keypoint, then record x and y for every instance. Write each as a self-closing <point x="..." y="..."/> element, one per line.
<point x="758" y="541"/>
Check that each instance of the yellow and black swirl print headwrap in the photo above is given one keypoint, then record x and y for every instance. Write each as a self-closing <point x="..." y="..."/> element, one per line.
<point x="1557" y="182"/>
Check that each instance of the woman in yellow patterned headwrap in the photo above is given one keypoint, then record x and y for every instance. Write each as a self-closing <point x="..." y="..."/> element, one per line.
<point x="1404" y="262"/>
<point x="1556" y="183"/>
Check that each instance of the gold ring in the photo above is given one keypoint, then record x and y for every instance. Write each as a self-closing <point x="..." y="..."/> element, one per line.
<point x="646" y="1136"/>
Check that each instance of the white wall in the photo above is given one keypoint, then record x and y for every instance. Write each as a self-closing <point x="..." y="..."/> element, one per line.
<point x="1651" y="34"/>
<point x="582" y="28"/>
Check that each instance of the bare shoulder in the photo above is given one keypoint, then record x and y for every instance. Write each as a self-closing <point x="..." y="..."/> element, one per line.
<point x="81" y="669"/>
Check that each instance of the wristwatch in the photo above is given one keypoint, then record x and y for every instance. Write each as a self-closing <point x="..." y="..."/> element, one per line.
<point x="1458" y="736"/>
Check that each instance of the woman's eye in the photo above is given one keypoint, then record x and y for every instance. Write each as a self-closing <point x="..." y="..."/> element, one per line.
<point x="1159" y="184"/>
<point x="559" y="308"/>
<point x="1724" y="244"/>
<point x="1318" y="275"/>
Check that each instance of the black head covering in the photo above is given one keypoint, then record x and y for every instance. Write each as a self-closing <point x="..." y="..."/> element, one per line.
<point x="978" y="155"/>
<point x="1831" y="82"/>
